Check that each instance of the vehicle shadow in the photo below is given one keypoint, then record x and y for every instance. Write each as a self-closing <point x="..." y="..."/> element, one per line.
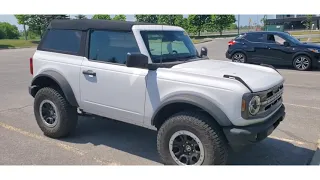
<point x="284" y="67"/>
<point x="141" y="142"/>
<point x="292" y="68"/>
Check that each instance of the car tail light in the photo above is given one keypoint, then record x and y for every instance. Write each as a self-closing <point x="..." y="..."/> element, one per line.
<point x="31" y="66"/>
<point x="230" y="43"/>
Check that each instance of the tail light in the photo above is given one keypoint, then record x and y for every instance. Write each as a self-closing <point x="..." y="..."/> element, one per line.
<point x="232" y="42"/>
<point x="31" y="66"/>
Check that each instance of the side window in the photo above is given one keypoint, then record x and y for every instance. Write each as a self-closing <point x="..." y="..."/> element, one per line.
<point x="111" y="46"/>
<point x="275" y="39"/>
<point x="255" y="37"/>
<point x="64" y="41"/>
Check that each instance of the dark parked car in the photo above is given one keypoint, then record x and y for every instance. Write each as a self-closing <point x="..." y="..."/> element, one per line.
<point x="273" y="48"/>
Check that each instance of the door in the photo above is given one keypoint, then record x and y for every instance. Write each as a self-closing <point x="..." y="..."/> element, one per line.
<point x="108" y="87"/>
<point x="255" y="47"/>
<point x="278" y="53"/>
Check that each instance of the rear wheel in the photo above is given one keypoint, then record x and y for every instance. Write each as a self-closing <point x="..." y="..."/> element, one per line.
<point x="54" y="115"/>
<point x="190" y="138"/>
<point x="239" y="57"/>
<point x="302" y="63"/>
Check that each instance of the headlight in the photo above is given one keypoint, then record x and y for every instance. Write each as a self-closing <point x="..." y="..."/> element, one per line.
<point x="314" y="50"/>
<point x="254" y="105"/>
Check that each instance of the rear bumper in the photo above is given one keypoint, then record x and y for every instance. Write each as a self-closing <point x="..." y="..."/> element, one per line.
<point x="228" y="55"/>
<point x="238" y="137"/>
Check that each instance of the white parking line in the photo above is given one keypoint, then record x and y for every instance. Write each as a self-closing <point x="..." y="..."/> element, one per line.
<point x="63" y="146"/>
<point x="301" y="86"/>
<point x="288" y="140"/>
<point x="299" y="73"/>
<point x="297" y="105"/>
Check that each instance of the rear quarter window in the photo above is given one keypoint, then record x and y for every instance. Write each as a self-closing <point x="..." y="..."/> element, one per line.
<point x="254" y="37"/>
<point x="62" y="41"/>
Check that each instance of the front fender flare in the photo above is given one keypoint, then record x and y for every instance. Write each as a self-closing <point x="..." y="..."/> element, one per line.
<point x="197" y="100"/>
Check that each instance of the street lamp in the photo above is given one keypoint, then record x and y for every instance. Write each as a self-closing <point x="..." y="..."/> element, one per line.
<point x="238" y="24"/>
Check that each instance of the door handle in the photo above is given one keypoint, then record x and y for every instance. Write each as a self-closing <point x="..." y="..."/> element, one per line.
<point x="89" y="72"/>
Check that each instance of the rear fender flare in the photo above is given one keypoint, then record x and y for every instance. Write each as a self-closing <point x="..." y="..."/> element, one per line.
<point x="58" y="79"/>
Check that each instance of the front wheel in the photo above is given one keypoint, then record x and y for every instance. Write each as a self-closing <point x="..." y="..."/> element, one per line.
<point x="302" y="63"/>
<point x="191" y="138"/>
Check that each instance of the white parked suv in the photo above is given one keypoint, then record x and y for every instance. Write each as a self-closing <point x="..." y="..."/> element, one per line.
<point x="152" y="76"/>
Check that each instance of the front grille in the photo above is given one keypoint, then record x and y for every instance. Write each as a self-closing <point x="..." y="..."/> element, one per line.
<point x="271" y="98"/>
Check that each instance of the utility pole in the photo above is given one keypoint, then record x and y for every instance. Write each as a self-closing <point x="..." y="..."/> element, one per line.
<point x="238" y="24"/>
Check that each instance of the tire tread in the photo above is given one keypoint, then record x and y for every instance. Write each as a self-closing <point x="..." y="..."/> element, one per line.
<point x="205" y="125"/>
<point x="68" y="113"/>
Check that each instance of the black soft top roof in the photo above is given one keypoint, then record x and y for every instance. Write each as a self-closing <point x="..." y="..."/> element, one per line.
<point x="85" y="24"/>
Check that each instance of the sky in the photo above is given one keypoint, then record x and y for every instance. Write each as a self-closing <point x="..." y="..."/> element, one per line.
<point x="244" y="19"/>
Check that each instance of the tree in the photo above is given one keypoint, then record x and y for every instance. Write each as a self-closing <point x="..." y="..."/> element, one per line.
<point x="23" y="20"/>
<point x="185" y="24"/>
<point x="81" y="16"/>
<point x="102" y="16"/>
<point x="197" y="23"/>
<point x="222" y="22"/>
<point x="120" y="17"/>
<point x="147" y="18"/>
<point x="233" y="26"/>
<point x="263" y="21"/>
<point x="174" y="20"/>
<point x="8" y="31"/>
<point x="39" y="23"/>
<point x="308" y="22"/>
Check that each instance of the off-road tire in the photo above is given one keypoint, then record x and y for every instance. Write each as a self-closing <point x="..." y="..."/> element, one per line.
<point x="203" y="126"/>
<point x="68" y="120"/>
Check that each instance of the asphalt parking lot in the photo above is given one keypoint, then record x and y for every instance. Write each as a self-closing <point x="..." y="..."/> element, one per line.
<point x="107" y="142"/>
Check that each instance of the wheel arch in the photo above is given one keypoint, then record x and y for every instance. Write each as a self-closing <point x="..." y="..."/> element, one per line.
<point x="239" y="51"/>
<point x="176" y="103"/>
<point x="53" y="79"/>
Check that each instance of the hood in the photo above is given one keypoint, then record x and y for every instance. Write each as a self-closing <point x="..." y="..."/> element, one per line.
<point x="310" y="45"/>
<point x="258" y="78"/>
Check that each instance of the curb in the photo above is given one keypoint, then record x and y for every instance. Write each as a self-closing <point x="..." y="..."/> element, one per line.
<point x="31" y="47"/>
<point x="204" y="41"/>
<point x="316" y="157"/>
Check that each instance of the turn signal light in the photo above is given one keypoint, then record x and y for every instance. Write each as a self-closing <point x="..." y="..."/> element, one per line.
<point x="243" y="105"/>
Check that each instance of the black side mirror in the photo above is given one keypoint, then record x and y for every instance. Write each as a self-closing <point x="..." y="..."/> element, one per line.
<point x="203" y="52"/>
<point x="137" y="60"/>
<point x="286" y="44"/>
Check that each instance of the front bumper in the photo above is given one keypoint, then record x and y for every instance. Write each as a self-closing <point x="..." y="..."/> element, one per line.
<point x="318" y="63"/>
<point x="238" y="137"/>
<point x="32" y="90"/>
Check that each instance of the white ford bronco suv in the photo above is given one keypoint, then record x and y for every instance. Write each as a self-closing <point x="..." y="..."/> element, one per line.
<point x="152" y="76"/>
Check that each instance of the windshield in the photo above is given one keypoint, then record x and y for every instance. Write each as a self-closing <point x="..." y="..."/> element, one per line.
<point x="291" y="38"/>
<point x="169" y="46"/>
